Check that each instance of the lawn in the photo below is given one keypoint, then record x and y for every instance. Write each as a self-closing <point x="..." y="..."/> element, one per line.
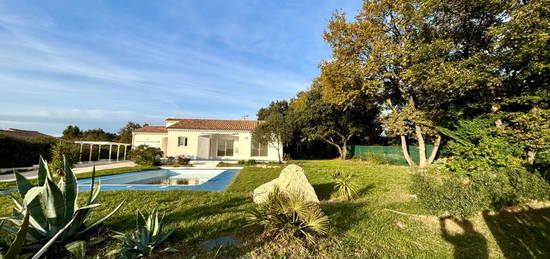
<point x="383" y="221"/>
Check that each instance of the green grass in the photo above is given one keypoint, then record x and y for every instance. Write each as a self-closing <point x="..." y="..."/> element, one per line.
<point x="103" y="172"/>
<point x="369" y="226"/>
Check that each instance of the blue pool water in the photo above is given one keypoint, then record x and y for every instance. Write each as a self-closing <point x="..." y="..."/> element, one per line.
<point x="165" y="179"/>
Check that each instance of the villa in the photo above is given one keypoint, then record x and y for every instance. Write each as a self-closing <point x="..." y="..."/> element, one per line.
<point x="206" y="139"/>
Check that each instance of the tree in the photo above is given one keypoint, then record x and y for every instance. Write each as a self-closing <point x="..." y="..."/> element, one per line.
<point x="125" y="133"/>
<point x="332" y="123"/>
<point x="98" y="135"/>
<point x="427" y="62"/>
<point x="275" y="129"/>
<point x="72" y="133"/>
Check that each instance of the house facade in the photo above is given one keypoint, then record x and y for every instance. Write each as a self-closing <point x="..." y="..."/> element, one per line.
<point x="206" y="139"/>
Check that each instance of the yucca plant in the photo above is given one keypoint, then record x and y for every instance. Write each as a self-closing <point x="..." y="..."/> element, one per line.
<point x="288" y="217"/>
<point x="54" y="214"/>
<point x="148" y="235"/>
<point x="344" y="185"/>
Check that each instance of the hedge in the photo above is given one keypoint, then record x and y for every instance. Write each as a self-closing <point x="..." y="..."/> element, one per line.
<point x="22" y="153"/>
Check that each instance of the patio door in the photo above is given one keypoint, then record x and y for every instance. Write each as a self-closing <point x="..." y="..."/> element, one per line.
<point x="226" y="147"/>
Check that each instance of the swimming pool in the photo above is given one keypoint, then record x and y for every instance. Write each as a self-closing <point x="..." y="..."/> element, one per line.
<point x="165" y="179"/>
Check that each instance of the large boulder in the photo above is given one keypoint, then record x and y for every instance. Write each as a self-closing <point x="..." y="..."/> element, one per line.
<point x="291" y="180"/>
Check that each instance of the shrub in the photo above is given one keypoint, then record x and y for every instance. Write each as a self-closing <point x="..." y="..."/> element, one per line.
<point x="149" y="234"/>
<point x="247" y="162"/>
<point x="183" y="160"/>
<point x="145" y="155"/>
<point x="377" y="158"/>
<point x="287" y="217"/>
<point x="63" y="152"/>
<point x="442" y="191"/>
<point x="344" y="185"/>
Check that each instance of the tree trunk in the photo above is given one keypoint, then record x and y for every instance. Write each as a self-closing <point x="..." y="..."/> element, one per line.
<point x="494" y="109"/>
<point x="344" y="154"/>
<point x="406" y="151"/>
<point x="421" y="146"/>
<point x="437" y="142"/>
<point x="340" y="151"/>
<point x="531" y="155"/>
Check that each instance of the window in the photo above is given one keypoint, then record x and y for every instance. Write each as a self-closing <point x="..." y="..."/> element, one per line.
<point x="182" y="141"/>
<point x="259" y="149"/>
<point x="225" y="147"/>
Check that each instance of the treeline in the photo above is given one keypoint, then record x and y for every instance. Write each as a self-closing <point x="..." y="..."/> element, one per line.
<point x="124" y="135"/>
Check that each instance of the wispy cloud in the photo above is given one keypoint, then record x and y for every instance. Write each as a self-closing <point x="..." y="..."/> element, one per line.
<point x="99" y="64"/>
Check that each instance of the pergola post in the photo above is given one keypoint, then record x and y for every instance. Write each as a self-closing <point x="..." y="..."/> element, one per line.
<point x="117" y="152"/>
<point x="80" y="157"/>
<point x="99" y="153"/>
<point x="110" y="146"/>
<point x="91" y="146"/>
<point x="125" y="148"/>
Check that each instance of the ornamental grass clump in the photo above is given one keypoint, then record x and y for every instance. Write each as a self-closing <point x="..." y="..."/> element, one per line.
<point x="286" y="217"/>
<point x="344" y="185"/>
<point x="54" y="215"/>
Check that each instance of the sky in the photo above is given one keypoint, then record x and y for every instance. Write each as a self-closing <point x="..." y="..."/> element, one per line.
<point x="100" y="64"/>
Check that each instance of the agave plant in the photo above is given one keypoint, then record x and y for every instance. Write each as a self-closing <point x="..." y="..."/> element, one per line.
<point x="19" y="240"/>
<point x="145" y="239"/>
<point x="344" y="185"/>
<point x="52" y="208"/>
<point x="287" y="217"/>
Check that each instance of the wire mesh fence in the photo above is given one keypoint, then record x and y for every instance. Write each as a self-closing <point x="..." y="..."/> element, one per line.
<point x="386" y="154"/>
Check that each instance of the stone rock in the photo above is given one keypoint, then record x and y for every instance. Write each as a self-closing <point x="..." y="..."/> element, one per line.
<point x="223" y="242"/>
<point x="291" y="180"/>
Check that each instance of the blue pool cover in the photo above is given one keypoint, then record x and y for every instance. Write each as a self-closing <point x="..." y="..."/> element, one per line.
<point x="217" y="183"/>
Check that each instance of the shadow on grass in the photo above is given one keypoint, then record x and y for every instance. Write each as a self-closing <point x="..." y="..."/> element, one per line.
<point x="345" y="214"/>
<point x="468" y="243"/>
<point x="324" y="190"/>
<point x="365" y="190"/>
<point x="524" y="234"/>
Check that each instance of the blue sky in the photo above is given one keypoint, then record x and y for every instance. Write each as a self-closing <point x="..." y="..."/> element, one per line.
<point x="99" y="64"/>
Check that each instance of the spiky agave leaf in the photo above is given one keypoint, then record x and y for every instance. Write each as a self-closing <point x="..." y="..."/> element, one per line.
<point x="54" y="206"/>
<point x="55" y="215"/>
<point x="69" y="188"/>
<point x="147" y="236"/>
<point x="77" y="249"/>
<point x="20" y="238"/>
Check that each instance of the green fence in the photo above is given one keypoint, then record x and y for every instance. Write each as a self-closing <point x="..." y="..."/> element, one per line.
<point x="392" y="154"/>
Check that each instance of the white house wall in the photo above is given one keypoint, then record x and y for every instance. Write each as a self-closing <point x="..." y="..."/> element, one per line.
<point x="148" y="138"/>
<point x="243" y="144"/>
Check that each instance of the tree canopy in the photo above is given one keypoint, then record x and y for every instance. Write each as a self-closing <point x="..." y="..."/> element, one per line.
<point x="430" y="62"/>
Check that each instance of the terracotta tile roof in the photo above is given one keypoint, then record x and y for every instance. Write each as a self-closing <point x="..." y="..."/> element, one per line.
<point x="160" y="129"/>
<point x="23" y="134"/>
<point x="214" y="124"/>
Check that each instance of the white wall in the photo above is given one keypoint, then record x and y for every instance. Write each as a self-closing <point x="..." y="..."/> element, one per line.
<point x="148" y="138"/>
<point x="242" y="144"/>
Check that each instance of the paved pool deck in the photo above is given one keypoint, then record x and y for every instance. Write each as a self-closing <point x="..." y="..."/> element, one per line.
<point x="10" y="177"/>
